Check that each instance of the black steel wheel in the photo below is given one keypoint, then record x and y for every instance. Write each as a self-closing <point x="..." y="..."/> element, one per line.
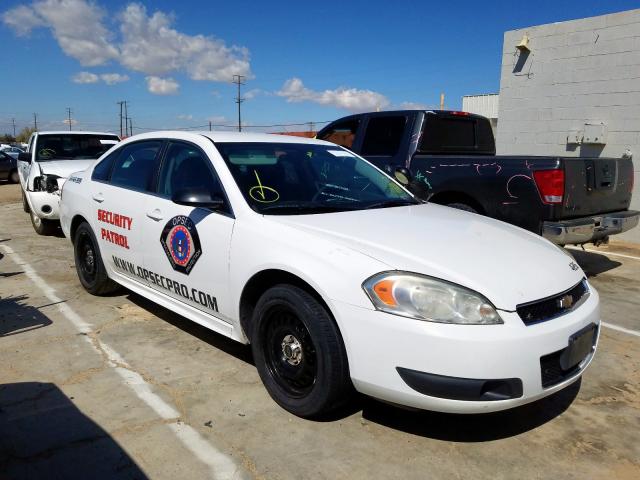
<point x="289" y="352"/>
<point x="91" y="270"/>
<point x="299" y="352"/>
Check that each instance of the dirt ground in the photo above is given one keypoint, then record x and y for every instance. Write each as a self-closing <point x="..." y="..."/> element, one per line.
<point x="117" y="387"/>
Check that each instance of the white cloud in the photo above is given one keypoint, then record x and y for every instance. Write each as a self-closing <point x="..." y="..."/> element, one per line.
<point x="113" y="78"/>
<point x="351" y="99"/>
<point x="146" y="43"/>
<point x="162" y="86"/>
<point x="253" y="93"/>
<point x="108" y="78"/>
<point x="85" y="77"/>
<point x="22" y="20"/>
<point x="75" y="24"/>
<point x="185" y="117"/>
<point x="151" y="46"/>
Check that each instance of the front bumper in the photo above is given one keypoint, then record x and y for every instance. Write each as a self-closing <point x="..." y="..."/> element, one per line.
<point x="44" y="204"/>
<point x="589" y="229"/>
<point x="378" y="344"/>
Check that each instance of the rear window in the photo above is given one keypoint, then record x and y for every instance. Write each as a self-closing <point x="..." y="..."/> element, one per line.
<point x="456" y="134"/>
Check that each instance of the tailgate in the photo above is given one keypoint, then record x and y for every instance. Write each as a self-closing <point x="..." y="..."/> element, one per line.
<point x="596" y="185"/>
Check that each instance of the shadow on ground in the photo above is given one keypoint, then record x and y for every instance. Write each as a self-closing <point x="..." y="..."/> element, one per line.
<point x="44" y="435"/>
<point x="227" y="345"/>
<point x="18" y="317"/>
<point x="471" y="428"/>
<point x="593" y="264"/>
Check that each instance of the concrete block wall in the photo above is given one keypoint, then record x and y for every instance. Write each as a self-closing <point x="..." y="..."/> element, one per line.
<point x="577" y="72"/>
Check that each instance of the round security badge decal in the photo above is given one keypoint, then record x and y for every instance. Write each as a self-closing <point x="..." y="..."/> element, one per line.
<point x="181" y="243"/>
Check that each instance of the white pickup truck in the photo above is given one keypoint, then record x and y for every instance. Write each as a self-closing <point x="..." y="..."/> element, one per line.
<point x="50" y="158"/>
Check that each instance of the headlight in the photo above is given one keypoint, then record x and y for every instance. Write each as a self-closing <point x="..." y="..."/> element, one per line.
<point x="430" y="299"/>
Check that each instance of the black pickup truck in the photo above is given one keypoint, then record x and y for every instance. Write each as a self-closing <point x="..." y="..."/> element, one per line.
<point x="449" y="158"/>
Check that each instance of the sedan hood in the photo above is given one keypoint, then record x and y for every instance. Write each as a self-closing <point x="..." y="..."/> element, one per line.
<point x="64" y="168"/>
<point x="506" y="264"/>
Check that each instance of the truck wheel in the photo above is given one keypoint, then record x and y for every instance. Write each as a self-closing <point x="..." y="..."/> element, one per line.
<point x="299" y="352"/>
<point x="14" y="177"/>
<point x="42" y="226"/>
<point x="25" y="204"/>
<point x="462" y="206"/>
<point x="91" y="270"/>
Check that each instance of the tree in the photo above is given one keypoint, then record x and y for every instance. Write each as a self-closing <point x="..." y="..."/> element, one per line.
<point x="25" y="133"/>
<point x="6" y="138"/>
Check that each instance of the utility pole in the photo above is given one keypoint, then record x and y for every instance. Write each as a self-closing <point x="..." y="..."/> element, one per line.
<point x="130" y="126"/>
<point x="442" y="101"/>
<point x="311" y="126"/>
<point x="239" y="80"/>
<point x="126" y="119"/>
<point x="69" y="117"/>
<point x="35" y="121"/>
<point x="121" y="103"/>
<point x="209" y="125"/>
<point x="13" y="120"/>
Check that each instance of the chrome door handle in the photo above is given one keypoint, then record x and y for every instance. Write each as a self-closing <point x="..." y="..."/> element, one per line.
<point x="155" y="215"/>
<point x="99" y="198"/>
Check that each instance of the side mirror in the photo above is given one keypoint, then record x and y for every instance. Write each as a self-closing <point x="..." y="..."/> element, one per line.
<point x="403" y="175"/>
<point x="198" y="197"/>
<point x="24" y="157"/>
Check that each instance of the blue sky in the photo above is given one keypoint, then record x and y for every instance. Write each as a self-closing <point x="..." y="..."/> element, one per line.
<point x="306" y="61"/>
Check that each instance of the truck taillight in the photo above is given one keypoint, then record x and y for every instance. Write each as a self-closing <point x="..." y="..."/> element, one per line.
<point x="550" y="184"/>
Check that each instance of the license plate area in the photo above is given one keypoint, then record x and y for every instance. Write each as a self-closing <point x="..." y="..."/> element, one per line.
<point x="563" y="364"/>
<point x="580" y="345"/>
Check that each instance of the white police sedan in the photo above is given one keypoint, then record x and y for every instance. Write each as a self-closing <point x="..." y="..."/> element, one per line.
<point x="335" y="274"/>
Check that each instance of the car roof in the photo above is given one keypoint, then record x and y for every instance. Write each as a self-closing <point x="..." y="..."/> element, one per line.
<point x="74" y="132"/>
<point x="221" y="136"/>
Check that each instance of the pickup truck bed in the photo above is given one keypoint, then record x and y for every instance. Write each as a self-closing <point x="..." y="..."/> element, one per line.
<point x="451" y="160"/>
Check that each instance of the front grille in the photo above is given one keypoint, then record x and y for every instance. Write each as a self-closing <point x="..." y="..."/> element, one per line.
<point x="552" y="307"/>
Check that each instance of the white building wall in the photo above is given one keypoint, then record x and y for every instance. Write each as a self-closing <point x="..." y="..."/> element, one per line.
<point x="577" y="72"/>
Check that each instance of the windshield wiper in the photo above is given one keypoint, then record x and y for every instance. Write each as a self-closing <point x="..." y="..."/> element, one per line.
<point x="303" y="207"/>
<point x="392" y="203"/>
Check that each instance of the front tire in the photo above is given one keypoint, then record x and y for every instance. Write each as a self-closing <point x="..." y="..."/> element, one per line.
<point x="42" y="226"/>
<point x="91" y="271"/>
<point x="299" y="352"/>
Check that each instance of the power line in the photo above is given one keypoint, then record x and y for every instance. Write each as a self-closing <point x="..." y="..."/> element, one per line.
<point x="239" y="80"/>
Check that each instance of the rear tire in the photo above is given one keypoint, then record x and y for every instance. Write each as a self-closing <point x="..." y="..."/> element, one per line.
<point x="462" y="206"/>
<point x="299" y="353"/>
<point x="14" y="177"/>
<point x="91" y="270"/>
<point x="42" y="226"/>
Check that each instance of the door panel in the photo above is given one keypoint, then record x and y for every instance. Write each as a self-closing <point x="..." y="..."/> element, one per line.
<point x="187" y="249"/>
<point x="118" y="207"/>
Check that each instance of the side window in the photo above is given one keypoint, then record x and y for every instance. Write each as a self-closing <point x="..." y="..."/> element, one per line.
<point x="383" y="135"/>
<point x="187" y="167"/>
<point x="136" y="166"/>
<point x="102" y="170"/>
<point x="342" y="133"/>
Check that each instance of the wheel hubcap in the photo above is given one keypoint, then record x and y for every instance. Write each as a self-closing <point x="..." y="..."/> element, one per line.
<point x="292" y="350"/>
